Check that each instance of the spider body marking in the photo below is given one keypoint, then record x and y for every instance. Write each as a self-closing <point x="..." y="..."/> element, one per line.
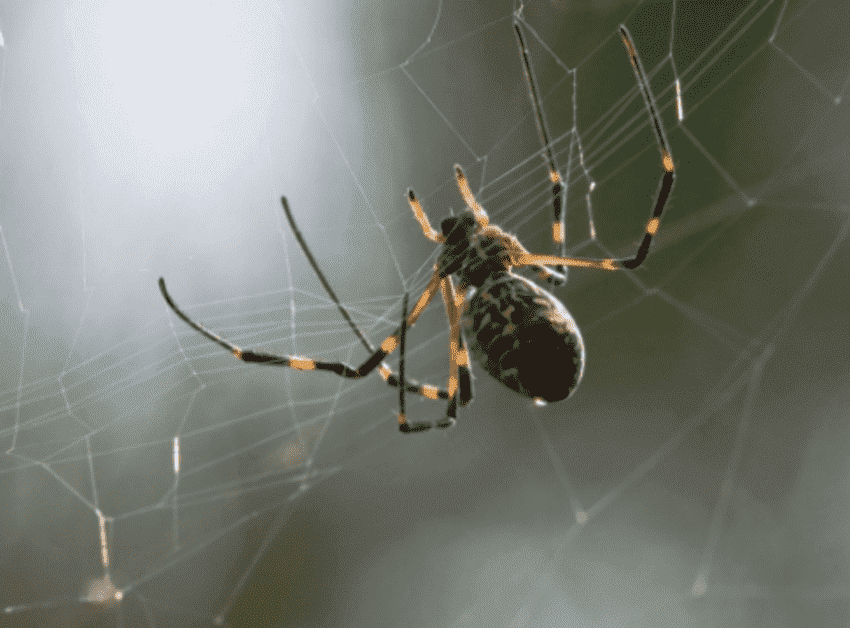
<point x="521" y="334"/>
<point x="525" y="338"/>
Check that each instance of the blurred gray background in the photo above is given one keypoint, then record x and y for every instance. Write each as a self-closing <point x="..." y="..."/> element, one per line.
<point x="698" y="477"/>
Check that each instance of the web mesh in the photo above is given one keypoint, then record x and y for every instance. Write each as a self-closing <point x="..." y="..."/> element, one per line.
<point x="694" y="479"/>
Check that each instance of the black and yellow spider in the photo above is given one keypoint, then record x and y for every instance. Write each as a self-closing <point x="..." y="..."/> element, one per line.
<point x="520" y="334"/>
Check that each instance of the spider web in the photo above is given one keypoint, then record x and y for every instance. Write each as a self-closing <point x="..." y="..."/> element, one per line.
<point x="696" y="478"/>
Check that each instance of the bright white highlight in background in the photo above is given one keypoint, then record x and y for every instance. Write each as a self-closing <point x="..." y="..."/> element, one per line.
<point x="177" y="83"/>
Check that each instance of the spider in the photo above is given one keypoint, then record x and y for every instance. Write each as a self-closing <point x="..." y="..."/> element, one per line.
<point x="520" y="333"/>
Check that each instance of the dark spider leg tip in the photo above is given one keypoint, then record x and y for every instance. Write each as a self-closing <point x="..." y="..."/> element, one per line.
<point x="410" y="428"/>
<point x="401" y="384"/>
<point x="451" y="413"/>
<point x="163" y="290"/>
<point x="465" y="390"/>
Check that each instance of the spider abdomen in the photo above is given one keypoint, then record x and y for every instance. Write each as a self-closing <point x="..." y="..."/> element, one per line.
<point x="524" y="337"/>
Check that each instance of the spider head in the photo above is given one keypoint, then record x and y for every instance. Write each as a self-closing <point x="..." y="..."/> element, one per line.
<point x="456" y="229"/>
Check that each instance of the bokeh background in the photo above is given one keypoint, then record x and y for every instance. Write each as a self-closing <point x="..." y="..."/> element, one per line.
<point x="698" y="477"/>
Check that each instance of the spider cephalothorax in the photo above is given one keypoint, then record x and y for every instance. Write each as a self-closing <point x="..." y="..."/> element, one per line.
<point x="471" y="251"/>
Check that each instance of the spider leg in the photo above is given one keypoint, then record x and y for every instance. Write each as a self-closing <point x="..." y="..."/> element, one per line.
<point x="669" y="176"/>
<point x="402" y="417"/>
<point x="460" y="379"/>
<point x="481" y="216"/>
<point x="665" y="186"/>
<point x="339" y="368"/>
<point x="520" y="256"/>
<point x="325" y="284"/>
<point x="427" y="230"/>
<point x="301" y="363"/>
<point x="532" y="259"/>
<point x="558" y="276"/>
<point x="389" y="343"/>
<point x="404" y="426"/>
